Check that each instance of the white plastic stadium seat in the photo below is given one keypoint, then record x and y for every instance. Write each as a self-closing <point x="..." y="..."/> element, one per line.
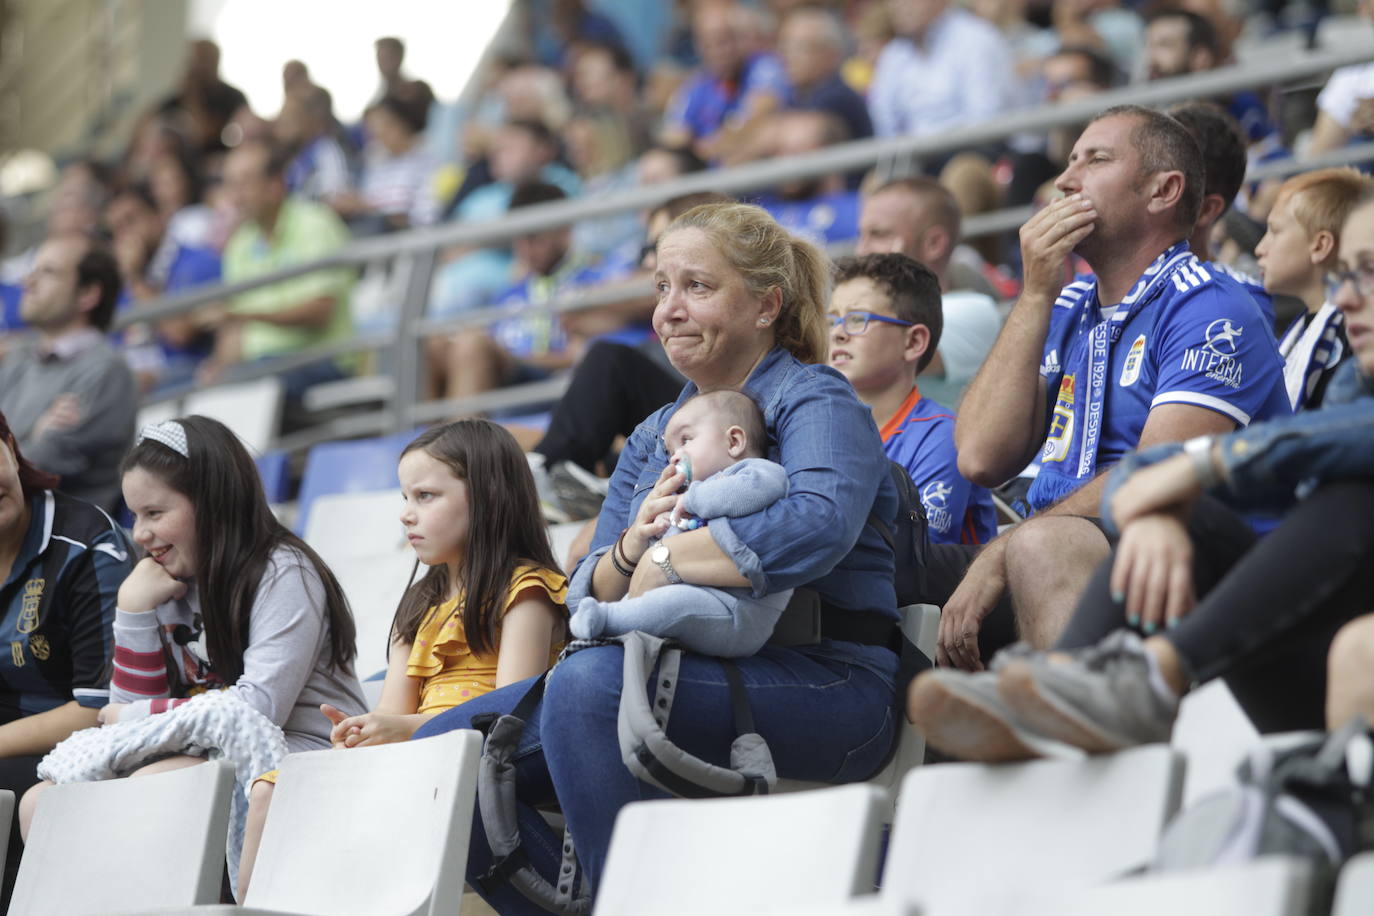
<point x="561" y="538"/>
<point x="1215" y="735"/>
<point x="6" y="813"/>
<point x="127" y="844"/>
<point x="921" y="624"/>
<point x="251" y="409"/>
<point x="376" y="830"/>
<point x="1355" y="888"/>
<point x="817" y="848"/>
<point x="1273" y="886"/>
<point x="968" y="836"/>
<point x="359" y="535"/>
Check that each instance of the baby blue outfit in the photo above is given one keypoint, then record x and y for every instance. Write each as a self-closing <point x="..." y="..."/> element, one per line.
<point x="725" y="622"/>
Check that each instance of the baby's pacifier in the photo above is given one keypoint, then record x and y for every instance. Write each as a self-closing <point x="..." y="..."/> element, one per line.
<point x="683" y="466"/>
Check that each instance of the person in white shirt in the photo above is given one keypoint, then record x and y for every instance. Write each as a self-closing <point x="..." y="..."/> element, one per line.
<point x="945" y="68"/>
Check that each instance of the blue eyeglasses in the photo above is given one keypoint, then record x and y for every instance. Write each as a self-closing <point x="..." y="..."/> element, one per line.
<point x="856" y="323"/>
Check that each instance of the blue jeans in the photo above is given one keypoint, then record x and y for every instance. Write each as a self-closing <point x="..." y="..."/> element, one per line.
<point x="824" y="719"/>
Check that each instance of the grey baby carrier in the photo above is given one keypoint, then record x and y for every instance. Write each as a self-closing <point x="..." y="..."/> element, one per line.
<point x="645" y="749"/>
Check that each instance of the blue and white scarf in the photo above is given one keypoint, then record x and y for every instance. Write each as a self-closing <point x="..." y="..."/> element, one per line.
<point x="1312" y="344"/>
<point x="1178" y="265"/>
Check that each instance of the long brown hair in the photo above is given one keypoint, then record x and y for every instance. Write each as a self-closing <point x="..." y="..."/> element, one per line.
<point x="31" y="479"/>
<point x="236" y="535"/>
<point x="506" y="527"/>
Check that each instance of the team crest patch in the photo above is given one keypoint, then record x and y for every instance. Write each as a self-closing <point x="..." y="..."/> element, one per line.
<point x="1135" y="358"/>
<point x="38" y="645"/>
<point x="1056" y="446"/>
<point x="28" y="612"/>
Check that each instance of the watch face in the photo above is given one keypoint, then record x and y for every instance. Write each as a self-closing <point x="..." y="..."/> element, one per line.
<point x="660" y="553"/>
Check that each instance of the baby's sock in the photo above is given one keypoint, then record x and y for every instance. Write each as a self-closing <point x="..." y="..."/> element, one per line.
<point x="589" y="620"/>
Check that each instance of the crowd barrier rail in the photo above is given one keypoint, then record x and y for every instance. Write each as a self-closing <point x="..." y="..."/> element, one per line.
<point x="413" y="256"/>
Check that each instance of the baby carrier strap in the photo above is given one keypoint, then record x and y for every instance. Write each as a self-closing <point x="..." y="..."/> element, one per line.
<point x="496" y="804"/>
<point x="644" y="743"/>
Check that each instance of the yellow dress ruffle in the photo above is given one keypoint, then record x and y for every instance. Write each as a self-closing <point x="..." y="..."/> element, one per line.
<point x="449" y="671"/>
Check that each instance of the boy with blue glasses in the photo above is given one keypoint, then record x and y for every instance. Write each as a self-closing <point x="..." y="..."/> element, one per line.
<point x="886" y="323"/>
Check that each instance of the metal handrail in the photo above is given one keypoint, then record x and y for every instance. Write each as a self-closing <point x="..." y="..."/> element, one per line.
<point x="844" y="157"/>
<point x="416" y="252"/>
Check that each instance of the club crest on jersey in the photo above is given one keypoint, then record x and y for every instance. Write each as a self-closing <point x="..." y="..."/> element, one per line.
<point x="28" y="610"/>
<point x="1061" y="422"/>
<point x="1215" y="359"/>
<point x="1135" y="358"/>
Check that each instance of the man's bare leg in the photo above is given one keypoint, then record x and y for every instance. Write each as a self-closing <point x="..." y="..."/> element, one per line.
<point x="1049" y="562"/>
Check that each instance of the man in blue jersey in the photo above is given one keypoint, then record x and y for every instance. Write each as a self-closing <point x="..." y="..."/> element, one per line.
<point x="886" y="323"/>
<point x="1157" y="347"/>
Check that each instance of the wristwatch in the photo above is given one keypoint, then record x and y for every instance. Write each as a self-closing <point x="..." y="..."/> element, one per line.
<point x="660" y="557"/>
<point x="1199" y="449"/>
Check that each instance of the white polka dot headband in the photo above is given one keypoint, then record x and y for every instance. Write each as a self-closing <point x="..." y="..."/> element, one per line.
<point x="169" y="433"/>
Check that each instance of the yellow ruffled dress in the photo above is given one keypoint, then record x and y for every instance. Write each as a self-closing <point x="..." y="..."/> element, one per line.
<point x="449" y="672"/>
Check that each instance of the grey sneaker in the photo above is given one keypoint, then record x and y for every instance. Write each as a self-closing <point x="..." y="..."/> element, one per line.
<point x="543" y="485"/>
<point x="1100" y="700"/>
<point x="962" y="715"/>
<point x="579" y="493"/>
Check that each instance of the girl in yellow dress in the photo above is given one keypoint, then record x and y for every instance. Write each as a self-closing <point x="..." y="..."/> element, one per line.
<point x="489" y="610"/>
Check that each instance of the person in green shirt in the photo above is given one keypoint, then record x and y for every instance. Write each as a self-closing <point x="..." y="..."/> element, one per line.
<point x="279" y="230"/>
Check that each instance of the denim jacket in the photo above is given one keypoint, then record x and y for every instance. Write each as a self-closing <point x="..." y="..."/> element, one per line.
<point x="1272" y="465"/>
<point x="817" y="534"/>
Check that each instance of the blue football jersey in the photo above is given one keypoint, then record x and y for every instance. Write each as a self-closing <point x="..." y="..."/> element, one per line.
<point x="920" y="437"/>
<point x="1199" y="338"/>
<point x="1251" y="285"/>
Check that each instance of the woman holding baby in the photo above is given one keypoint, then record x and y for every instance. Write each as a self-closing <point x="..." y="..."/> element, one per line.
<point x="741" y="305"/>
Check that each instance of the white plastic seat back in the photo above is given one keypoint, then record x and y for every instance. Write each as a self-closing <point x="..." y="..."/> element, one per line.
<point x="374" y="587"/>
<point x="561" y="538"/>
<point x="1273" y="886"/>
<point x="966" y="835"/>
<point x="743" y="854"/>
<point x="921" y="625"/>
<point x="360" y="538"/>
<point x="370" y="830"/>
<point x="1355" y="887"/>
<point x="347" y="526"/>
<point x="7" y="804"/>
<point x="127" y="844"/>
<point x="1215" y="735"/>
<point x="251" y="409"/>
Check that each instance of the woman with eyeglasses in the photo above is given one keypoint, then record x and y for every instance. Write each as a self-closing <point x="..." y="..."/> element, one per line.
<point x="1179" y="604"/>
